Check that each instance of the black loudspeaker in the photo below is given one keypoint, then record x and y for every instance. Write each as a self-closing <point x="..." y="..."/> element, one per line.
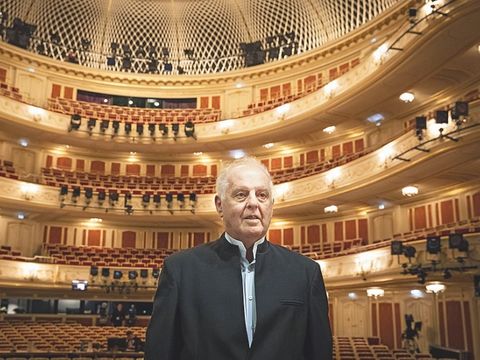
<point x="396" y="247"/>
<point x="434" y="244"/>
<point x="476" y="285"/>
<point x="441" y="117"/>
<point x="460" y="109"/>
<point x="421" y="122"/>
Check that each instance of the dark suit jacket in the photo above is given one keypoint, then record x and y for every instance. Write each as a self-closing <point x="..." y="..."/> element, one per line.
<point x="198" y="307"/>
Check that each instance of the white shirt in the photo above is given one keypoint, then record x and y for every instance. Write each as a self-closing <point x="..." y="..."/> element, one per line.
<point x="248" y="282"/>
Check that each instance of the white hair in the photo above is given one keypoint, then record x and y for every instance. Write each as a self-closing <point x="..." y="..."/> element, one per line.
<point x="248" y="161"/>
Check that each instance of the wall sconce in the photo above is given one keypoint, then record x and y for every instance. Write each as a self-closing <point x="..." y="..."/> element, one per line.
<point x="375" y="292"/>
<point x="410" y="191"/>
<point x="28" y="190"/>
<point x="435" y="287"/>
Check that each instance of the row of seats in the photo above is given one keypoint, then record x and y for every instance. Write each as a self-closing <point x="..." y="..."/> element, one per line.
<point x="27" y="335"/>
<point x="132" y="114"/>
<point x="10" y="91"/>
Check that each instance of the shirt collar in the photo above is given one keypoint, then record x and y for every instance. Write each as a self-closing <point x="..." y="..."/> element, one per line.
<point x="241" y="246"/>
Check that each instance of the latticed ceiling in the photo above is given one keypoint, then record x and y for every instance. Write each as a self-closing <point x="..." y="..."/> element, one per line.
<point x="210" y="30"/>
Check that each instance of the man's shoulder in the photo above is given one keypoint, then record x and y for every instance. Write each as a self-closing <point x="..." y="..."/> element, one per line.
<point x="187" y="255"/>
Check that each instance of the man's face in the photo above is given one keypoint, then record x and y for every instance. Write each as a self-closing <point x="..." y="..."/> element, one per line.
<point x="247" y="205"/>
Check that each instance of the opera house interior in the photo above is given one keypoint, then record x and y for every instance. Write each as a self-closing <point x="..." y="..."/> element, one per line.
<point x="117" y="116"/>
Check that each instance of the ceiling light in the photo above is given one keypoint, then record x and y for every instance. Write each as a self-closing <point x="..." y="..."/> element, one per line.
<point x="407" y="97"/>
<point x="95" y="220"/>
<point x="105" y="101"/>
<point x="435" y="287"/>
<point x="237" y="154"/>
<point x="130" y="102"/>
<point x="375" y="292"/>
<point x="133" y="153"/>
<point x="23" y="142"/>
<point x="329" y="129"/>
<point x="381" y="206"/>
<point x="352" y="296"/>
<point x="417" y="294"/>
<point x="332" y="209"/>
<point x="410" y="191"/>
<point x="198" y="153"/>
<point x="268" y="146"/>
<point x="239" y="85"/>
<point x="375" y="118"/>
<point x="21" y="215"/>
<point x="156" y="103"/>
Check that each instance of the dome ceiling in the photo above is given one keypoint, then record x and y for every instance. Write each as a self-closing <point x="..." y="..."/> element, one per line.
<point x="200" y="36"/>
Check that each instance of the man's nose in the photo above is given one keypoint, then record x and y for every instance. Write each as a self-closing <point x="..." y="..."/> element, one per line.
<point x="252" y="200"/>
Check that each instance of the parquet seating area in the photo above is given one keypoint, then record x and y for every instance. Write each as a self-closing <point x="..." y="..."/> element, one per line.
<point x="132" y="114"/>
<point x="360" y="348"/>
<point x="27" y="335"/>
<point x="102" y="256"/>
<point x="137" y="185"/>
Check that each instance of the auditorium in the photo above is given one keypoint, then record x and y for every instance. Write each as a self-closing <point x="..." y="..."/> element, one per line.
<point x="118" y="116"/>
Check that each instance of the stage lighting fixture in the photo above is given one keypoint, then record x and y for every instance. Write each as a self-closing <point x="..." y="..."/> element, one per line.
<point x="167" y="67"/>
<point x="164" y="129"/>
<point x="104" y="125"/>
<point x="181" y="199"/>
<point x="396" y="247"/>
<point x="156" y="200"/>
<point x="460" y="109"/>
<point x="421" y="122"/>
<point x="75" y="193"/>
<point x="175" y="129"/>
<point x="192" y="197"/>
<point x="144" y="273"/>
<point x="412" y="12"/>
<point x="91" y="123"/>
<point x="151" y="129"/>
<point x="409" y="251"/>
<point x="63" y="190"/>
<point x="434" y="244"/>
<point x="101" y="197"/>
<point x="75" y="122"/>
<point x="128" y="128"/>
<point x="155" y="273"/>
<point x="88" y="193"/>
<point x="169" y="199"/>
<point x="140" y="129"/>
<point x="117" y="274"/>
<point x="441" y="117"/>
<point x="422" y="276"/>
<point x="105" y="272"/>
<point x="93" y="270"/>
<point x="457" y="241"/>
<point x="132" y="274"/>
<point x="190" y="129"/>
<point x="111" y="61"/>
<point x="113" y="196"/>
<point x="115" y="126"/>
<point x="145" y="200"/>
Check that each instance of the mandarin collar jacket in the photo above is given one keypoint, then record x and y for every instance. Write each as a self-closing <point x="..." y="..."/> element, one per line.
<point x="198" y="311"/>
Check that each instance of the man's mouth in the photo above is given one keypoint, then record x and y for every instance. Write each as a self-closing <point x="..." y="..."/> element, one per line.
<point x="251" y="217"/>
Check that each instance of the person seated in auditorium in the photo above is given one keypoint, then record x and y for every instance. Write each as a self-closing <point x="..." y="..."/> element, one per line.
<point x="134" y="343"/>
<point x="103" y="314"/>
<point x="132" y="315"/>
<point x="240" y="297"/>
<point x="118" y="315"/>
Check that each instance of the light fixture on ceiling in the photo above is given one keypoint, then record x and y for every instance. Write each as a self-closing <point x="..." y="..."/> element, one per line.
<point x="435" y="287"/>
<point x="407" y="97"/>
<point x="381" y="206"/>
<point x="237" y="154"/>
<point x="376" y="118"/>
<point x="268" y="146"/>
<point x="198" y="153"/>
<point x="329" y="129"/>
<point x="416" y="294"/>
<point x="375" y="292"/>
<point x="95" y="220"/>
<point x="352" y="296"/>
<point x="21" y="215"/>
<point x="23" y="142"/>
<point x="332" y="209"/>
<point x="410" y="191"/>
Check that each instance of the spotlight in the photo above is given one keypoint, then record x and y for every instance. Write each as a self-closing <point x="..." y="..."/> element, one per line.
<point x="409" y="251"/>
<point x="117" y="274"/>
<point x="144" y="273"/>
<point x="151" y="129"/>
<point x="115" y="126"/>
<point x="140" y="129"/>
<point x="104" y="125"/>
<point x="164" y="129"/>
<point x="181" y="199"/>
<point x="434" y="244"/>
<point x="91" y="123"/>
<point x="101" y="197"/>
<point x="412" y="14"/>
<point x="169" y="199"/>
<point x="75" y="194"/>
<point x="132" y="274"/>
<point x="156" y="200"/>
<point x="175" y="129"/>
<point x="396" y="247"/>
<point x="63" y="190"/>
<point x="460" y="109"/>
<point x="420" y="125"/>
<point x="75" y="122"/>
<point x="145" y="200"/>
<point x="441" y="117"/>
<point x="128" y="128"/>
<point x="93" y="270"/>
<point x="190" y="129"/>
<point x="155" y="273"/>
<point x="113" y="197"/>
<point x="422" y="276"/>
<point x="105" y="272"/>
<point x="457" y="241"/>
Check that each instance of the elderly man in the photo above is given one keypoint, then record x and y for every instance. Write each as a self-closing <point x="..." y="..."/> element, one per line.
<point x="240" y="297"/>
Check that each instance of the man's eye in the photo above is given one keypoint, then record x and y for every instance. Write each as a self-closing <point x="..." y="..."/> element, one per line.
<point x="240" y="196"/>
<point x="262" y="196"/>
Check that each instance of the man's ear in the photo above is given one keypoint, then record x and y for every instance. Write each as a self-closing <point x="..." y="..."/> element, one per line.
<point x="218" y="205"/>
